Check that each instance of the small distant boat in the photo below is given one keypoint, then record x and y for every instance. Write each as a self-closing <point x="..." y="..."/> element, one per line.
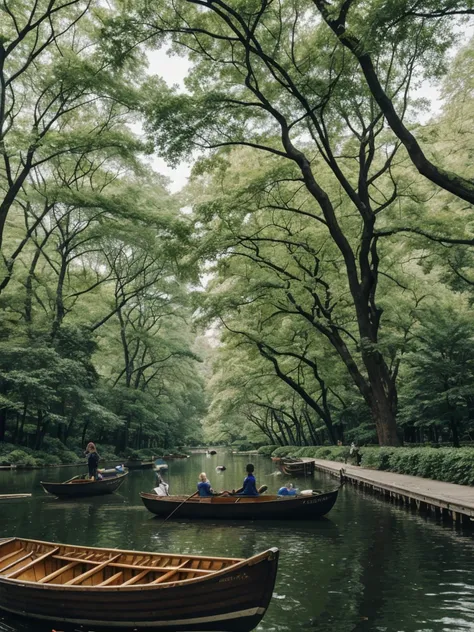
<point x="106" y="589"/>
<point x="242" y="507"/>
<point x="297" y="467"/>
<point x="138" y="464"/>
<point x="78" y="487"/>
<point x="170" y="457"/>
<point x="160" y="464"/>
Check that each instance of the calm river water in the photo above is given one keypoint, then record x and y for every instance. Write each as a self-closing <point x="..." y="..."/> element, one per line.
<point x="367" y="567"/>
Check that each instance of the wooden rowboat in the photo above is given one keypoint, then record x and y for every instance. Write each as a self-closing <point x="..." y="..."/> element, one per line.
<point x="109" y="588"/>
<point x="171" y="457"/>
<point x="242" y="507"/>
<point x="297" y="467"/>
<point x="138" y="464"/>
<point x="77" y="487"/>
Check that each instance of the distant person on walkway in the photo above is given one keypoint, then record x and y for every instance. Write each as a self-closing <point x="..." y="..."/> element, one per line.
<point x="355" y="453"/>
<point x="204" y="486"/>
<point x="287" y="490"/>
<point x="93" y="459"/>
<point x="250" y="484"/>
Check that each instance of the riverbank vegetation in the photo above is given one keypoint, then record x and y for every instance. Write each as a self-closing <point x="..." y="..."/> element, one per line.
<point x="330" y="207"/>
<point x="95" y="333"/>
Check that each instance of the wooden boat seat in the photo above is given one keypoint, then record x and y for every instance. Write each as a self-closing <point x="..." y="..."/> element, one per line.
<point x="83" y="576"/>
<point x="140" y="567"/>
<point x="170" y="574"/>
<point x="21" y="559"/>
<point x="26" y="567"/>
<point x="111" y="579"/>
<point x="10" y="555"/>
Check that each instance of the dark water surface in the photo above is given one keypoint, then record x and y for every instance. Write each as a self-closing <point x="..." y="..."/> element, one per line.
<point x="368" y="567"/>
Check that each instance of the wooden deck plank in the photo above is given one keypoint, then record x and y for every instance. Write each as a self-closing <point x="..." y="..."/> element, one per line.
<point x="169" y="574"/>
<point x="450" y="496"/>
<point x="111" y="579"/>
<point x="89" y="573"/>
<point x="41" y="558"/>
<point x="60" y="571"/>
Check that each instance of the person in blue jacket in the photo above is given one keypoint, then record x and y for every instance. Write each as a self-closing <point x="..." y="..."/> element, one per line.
<point x="204" y="486"/>
<point x="250" y="484"/>
<point x="287" y="490"/>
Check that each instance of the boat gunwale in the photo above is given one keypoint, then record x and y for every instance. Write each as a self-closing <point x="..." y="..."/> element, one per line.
<point x="274" y="498"/>
<point x="240" y="563"/>
<point x="88" y="481"/>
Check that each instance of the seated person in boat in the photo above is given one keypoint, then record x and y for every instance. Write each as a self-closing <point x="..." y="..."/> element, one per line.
<point x="204" y="486"/>
<point x="287" y="490"/>
<point x="92" y="460"/>
<point x="250" y="484"/>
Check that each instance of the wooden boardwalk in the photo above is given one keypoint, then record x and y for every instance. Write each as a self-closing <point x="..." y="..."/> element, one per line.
<point x="446" y="499"/>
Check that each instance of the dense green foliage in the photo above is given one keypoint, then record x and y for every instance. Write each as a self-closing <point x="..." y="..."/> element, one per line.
<point x="95" y="338"/>
<point x="332" y="216"/>
<point x="318" y="197"/>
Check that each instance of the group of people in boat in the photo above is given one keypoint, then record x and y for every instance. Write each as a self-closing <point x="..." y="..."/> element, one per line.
<point x="249" y="487"/>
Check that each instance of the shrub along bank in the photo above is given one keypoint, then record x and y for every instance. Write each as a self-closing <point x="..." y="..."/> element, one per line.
<point x="452" y="465"/>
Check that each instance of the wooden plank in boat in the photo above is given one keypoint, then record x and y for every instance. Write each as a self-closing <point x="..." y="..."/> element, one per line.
<point x="111" y="579"/>
<point x="135" y="578"/>
<point x="92" y="571"/>
<point x="21" y="570"/>
<point x="60" y="571"/>
<point x="7" y="557"/>
<point x="168" y="575"/>
<point x="21" y="559"/>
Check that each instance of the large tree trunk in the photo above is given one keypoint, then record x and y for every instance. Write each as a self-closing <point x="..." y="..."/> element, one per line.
<point x="383" y="412"/>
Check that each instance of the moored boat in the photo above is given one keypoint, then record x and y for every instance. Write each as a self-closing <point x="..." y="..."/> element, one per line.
<point x="129" y="590"/>
<point x="297" y="467"/>
<point x="171" y="457"/>
<point x="138" y="464"/>
<point x="78" y="486"/>
<point x="242" y="507"/>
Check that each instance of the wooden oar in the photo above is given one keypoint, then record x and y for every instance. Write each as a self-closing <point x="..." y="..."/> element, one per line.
<point x="180" y="505"/>
<point x="73" y="478"/>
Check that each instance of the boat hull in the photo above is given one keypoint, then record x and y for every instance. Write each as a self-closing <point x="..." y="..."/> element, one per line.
<point x="232" y="600"/>
<point x="87" y="488"/>
<point x="297" y="468"/>
<point x="242" y="508"/>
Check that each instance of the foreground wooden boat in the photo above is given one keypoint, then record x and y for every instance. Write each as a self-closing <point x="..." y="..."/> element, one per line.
<point x="106" y="589"/>
<point x="242" y="507"/>
<point x="297" y="467"/>
<point x="77" y="487"/>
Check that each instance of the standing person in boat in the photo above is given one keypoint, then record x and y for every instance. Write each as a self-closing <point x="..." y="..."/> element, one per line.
<point x="93" y="459"/>
<point x="204" y="486"/>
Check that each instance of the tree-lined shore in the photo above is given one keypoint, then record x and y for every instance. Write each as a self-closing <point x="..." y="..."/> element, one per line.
<point x="329" y="205"/>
